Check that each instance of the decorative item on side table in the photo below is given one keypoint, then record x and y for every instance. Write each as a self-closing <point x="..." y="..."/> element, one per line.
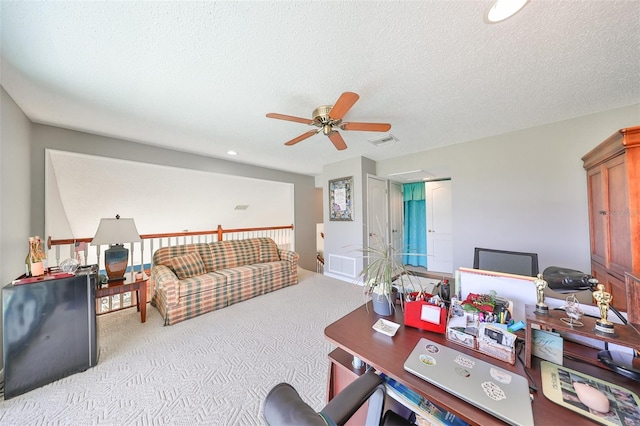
<point x="603" y="299"/>
<point x="573" y="311"/>
<point x="564" y="280"/>
<point x="34" y="266"/>
<point x="541" y="307"/>
<point x="382" y="268"/>
<point x="116" y="232"/>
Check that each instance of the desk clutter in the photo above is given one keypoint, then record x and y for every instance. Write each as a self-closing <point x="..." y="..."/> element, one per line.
<point x="481" y="322"/>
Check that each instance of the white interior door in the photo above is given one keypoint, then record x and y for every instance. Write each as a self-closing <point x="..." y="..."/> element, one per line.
<point x="396" y="209"/>
<point x="377" y="212"/>
<point x="439" y="226"/>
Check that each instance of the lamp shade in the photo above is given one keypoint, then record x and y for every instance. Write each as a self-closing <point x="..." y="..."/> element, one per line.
<point x="116" y="231"/>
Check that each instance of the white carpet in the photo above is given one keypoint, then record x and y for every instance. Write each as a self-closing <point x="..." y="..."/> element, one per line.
<point x="214" y="369"/>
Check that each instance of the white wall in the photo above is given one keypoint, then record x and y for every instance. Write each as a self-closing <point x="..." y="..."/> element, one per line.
<point x="307" y="208"/>
<point x="344" y="238"/>
<point x="15" y="183"/>
<point x="160" y="198"/>
<point x="523" y="191"/>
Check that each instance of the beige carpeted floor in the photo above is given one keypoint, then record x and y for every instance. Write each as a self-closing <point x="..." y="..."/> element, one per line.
<point x="215" y="369"/>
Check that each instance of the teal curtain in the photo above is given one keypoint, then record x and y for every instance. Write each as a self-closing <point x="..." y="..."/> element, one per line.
<point x="415" y="224"/>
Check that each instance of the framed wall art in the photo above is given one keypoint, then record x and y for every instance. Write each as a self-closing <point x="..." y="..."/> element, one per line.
<point x="340" y="199"/>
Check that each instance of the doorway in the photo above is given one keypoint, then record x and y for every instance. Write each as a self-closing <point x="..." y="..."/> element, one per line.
<point x="428" y="235"/>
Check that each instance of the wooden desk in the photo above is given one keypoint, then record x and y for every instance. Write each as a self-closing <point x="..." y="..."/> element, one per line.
<point x="353" y="334"/>
<point x="120" y="287"/>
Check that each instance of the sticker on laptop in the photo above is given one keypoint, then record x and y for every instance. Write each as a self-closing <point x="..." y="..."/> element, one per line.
<point x="464" y="361"/>
<point x="432" y="349"/>
<point x="493" y="391"/>
<point x="427" y="360"/>
<point x="463" y="372"/>
<point x="500" y="376"/>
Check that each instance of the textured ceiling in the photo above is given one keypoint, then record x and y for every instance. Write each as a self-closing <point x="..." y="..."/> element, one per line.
<point x="200" y="76"/>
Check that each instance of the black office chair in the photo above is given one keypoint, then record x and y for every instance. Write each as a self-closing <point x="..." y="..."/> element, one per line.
<point x="284" y="406"/>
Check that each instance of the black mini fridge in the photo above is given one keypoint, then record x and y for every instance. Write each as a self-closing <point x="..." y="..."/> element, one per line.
<point x="48" y="329"/>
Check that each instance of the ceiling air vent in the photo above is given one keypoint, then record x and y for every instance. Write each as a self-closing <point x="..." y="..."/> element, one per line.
<point x="411" y="176"/>
<point x="387" y="140"/>
<point x="241" y="207"/>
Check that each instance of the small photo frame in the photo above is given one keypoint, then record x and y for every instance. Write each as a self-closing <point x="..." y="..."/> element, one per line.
<point x="340" y="199"/>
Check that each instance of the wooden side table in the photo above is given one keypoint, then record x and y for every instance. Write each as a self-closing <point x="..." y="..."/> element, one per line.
<point x="120" y="287"/>
<point x="625" y="335"/>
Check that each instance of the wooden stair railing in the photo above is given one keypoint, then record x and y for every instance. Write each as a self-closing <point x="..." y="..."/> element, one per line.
<point x="79" y="247"/>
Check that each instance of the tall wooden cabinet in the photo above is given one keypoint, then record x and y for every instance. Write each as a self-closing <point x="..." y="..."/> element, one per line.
<point x="613" y="184"/>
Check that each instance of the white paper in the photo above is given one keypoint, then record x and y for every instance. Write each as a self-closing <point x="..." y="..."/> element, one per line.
<point x="430" y="313"/>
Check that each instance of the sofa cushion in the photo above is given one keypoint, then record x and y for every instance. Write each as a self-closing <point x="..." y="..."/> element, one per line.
<point x="210" y="281"/>
<point x="188" y="265"/>
<point x="163" y="255"/>
<point x="233" y="253"/>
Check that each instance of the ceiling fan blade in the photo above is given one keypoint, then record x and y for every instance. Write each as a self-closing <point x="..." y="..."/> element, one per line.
<point x="343" y="105"/>
<point x="337" y="140"/>
<point x="301" y="137"/>
<point x="367" y="127"/>
<point x="290" y="118"/>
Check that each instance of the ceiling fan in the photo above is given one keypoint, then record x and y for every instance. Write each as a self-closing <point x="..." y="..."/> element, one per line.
<point x="326" y="117"/>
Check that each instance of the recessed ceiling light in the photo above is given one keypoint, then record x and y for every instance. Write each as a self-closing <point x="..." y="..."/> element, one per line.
<point x="503" y="9"/>
<point x="232" y="153"/>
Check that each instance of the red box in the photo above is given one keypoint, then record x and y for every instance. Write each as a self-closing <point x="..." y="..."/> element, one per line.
<point x="425" y="316"/>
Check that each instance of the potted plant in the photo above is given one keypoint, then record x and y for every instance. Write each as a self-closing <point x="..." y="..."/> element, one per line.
<point x="382" y="267"/>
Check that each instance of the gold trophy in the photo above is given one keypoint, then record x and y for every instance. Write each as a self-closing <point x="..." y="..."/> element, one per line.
<point x="541" y="307"/>
<point x="603" y="325"/>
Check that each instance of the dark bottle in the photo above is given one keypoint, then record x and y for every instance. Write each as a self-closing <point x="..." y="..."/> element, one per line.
<point x="445" y="290"/>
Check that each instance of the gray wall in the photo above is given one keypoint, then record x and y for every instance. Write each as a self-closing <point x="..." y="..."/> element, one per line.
<point x="43" y="137"/>
<point x="15" y="187"/>
<point x="523" y="191"/>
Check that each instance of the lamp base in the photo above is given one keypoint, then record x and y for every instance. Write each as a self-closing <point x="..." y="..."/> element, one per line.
<point x="115" y="262"/>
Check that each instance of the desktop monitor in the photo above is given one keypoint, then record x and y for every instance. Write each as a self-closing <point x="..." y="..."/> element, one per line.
<point x="511" y="262"/>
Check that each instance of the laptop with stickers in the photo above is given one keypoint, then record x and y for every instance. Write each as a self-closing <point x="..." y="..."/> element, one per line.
<point x="497" y="391"/>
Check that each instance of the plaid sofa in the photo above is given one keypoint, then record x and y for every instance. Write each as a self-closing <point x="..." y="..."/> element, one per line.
<point x="193" y="279"/>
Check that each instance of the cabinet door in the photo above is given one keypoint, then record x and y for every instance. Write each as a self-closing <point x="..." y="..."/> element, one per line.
<point x="597" y="214"/>
<point x="619" y="217"/>
<point x="617" y="288"/>
<point x="633" y="297"/>
<point x="612" y="285"/>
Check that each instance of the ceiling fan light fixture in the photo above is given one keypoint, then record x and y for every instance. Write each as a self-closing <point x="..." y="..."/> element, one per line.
<point x="503" y="9"/>
<point x="328" y="118"/>
<point x="321" y="115"/>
